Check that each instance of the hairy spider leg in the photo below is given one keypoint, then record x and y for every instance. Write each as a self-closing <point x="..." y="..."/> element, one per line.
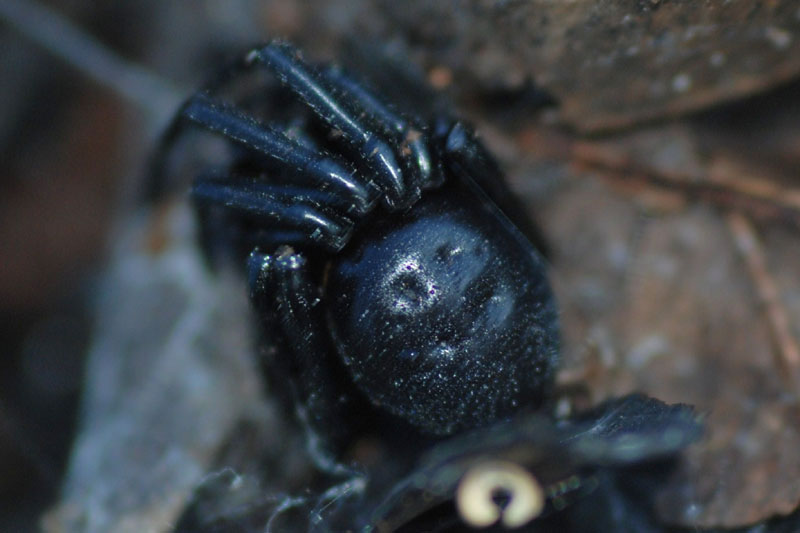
<point x="415" y="157"/>
<point x="408" y="133"/>
<point x="281" y="288"/>
<point x="366" y="145"/>
<point x="311" y="168"/>
<point x="320" y="203"/>
<point x="302" y="211"/>
<point x="467" y="158"/>
<point x="256" y="183"/>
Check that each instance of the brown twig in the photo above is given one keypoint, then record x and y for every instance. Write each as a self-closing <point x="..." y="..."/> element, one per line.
<point x="757" y="196"/>
<point x="787" y="350"/>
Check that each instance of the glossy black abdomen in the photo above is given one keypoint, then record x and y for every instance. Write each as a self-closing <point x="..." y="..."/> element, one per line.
<point x="443" y="314"/>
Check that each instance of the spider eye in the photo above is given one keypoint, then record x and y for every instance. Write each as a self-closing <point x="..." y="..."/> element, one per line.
<point x="499" y="490"/>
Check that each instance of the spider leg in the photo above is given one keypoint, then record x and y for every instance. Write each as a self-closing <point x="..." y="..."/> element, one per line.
<point x="414" y="154"/>
<point x="281" y="289"/>
<point x="319" y="92"/>
<point x="315" y="170"/>
<point x="304" y="211"/>
<point x="466" y="157"/>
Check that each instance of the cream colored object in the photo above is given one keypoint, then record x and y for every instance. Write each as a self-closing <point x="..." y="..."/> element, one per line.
<point x="474" y="496"/>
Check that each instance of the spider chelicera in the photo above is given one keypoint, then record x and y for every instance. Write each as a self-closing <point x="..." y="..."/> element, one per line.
<point x="396" y="278"/>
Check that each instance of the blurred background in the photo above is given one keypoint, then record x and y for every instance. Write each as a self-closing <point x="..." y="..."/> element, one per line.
<point x="74" y="155"/>
<point x="657" y="145"/>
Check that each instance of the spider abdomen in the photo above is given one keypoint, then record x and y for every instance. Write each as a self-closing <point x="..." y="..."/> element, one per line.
<point x="443" y="315"/>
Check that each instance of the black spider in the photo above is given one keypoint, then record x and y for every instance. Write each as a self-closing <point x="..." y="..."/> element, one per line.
<point x="396" y="278"/>
<point x="380" y="260"/>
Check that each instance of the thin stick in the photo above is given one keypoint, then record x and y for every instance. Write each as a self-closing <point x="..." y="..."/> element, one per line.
<point x="787" y="351"/>
<point x="761" y="197"/>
